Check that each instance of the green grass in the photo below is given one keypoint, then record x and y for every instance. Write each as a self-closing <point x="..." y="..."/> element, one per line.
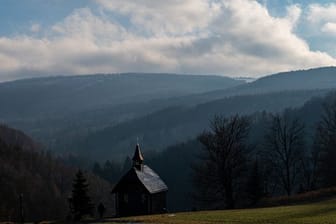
<point x="315" y="213"/>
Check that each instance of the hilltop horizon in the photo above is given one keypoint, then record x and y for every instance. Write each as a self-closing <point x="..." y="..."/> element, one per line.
<point x="245" y="78"/>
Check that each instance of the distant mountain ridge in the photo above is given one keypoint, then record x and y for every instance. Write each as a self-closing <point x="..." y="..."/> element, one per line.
<point x="71" y="105"/>
<point x="69" y="94"/>
<point x="317" y="78"/>
<point x="272" y="93"/>
<point x="60" y="96"/>
<point x="311" y="79"/>
<point x="60" y="110"/>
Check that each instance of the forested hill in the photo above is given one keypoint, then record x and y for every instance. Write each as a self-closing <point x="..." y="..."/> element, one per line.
<point x="176" y="124"/>
<point x="162" y="128"/>
<point x="59" y="96"/>
<point x="319" y="78"/>
<point x="45" y="182"/>
<point x="56" y="108"/>
<point x="62" y="111"/>
<point x="13" y="137"/>
<point x="312" y="79"/>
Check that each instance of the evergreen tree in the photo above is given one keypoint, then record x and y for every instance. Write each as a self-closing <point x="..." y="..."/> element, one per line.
<point x="80" y="201"/>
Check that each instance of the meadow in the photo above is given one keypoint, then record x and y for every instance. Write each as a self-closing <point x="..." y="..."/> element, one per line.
<point x="314" y="213"/>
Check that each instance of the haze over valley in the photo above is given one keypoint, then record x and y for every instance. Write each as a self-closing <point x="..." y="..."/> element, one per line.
<point x="90" y="114"/>
<point x="113" y="111"/>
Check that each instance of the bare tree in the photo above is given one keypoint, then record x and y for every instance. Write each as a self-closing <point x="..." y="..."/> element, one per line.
<point x="325" y="145"/>
<point x="218" y="174"/>
<point x="284" y="149"/>
<point x="309" y="164"/>
<point x="254" y="184"/>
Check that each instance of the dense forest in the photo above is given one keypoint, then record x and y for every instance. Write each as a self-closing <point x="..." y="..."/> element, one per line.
<point x="44" y="182"/>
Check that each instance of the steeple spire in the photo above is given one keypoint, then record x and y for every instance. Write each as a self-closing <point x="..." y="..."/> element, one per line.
<point x="137" y="158"/>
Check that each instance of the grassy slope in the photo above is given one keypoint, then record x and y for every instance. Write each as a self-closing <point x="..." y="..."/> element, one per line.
<point x="322" y="213"/>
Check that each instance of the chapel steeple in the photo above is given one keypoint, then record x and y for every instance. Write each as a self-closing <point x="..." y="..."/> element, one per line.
<point x="137" y="158"/>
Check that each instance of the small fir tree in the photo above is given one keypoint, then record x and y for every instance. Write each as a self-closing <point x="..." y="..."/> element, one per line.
<point x="80" y="202"/>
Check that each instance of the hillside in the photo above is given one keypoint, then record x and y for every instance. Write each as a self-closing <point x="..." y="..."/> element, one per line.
<point x="65" y="107"/>
<point x="44" y="181"/>
<point x="312" y="79"/>
<point x="184" y="117"/>
<point x="60" y="112"/>
<point x="317" y="78"/>
<point x="314" y="213"/>
<point x="14" y="137"/>
<point x="177" y="124"/>
<point x="59" y="96"/>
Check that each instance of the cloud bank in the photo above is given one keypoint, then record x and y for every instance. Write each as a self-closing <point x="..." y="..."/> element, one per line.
<point x="228" y="37"/>
<point x="323" y="17"/>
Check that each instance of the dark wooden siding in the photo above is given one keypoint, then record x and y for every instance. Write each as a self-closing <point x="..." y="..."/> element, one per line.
<point x="140" y="203"/>
<point x="132" y="204"/>
<point x="158" y="203"/>
<point x="132" y="199"/>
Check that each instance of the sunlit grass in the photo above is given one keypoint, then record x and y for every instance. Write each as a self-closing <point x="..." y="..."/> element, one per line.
<point x="316" y="213"/>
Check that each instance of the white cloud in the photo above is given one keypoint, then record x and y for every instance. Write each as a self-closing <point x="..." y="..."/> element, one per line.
<point x="318" y="13"/>
<point x="293" y="13"/>
<point x="230" y="37"/>
<point x="165" y="16"/>
<point x="35" y="28"/>
<point x="329" y="28"/>
<point x="256" y="43"/>
<point x="323" y="18"/>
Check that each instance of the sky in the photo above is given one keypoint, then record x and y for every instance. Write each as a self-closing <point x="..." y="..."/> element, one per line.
<point x="235" y="38"/>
